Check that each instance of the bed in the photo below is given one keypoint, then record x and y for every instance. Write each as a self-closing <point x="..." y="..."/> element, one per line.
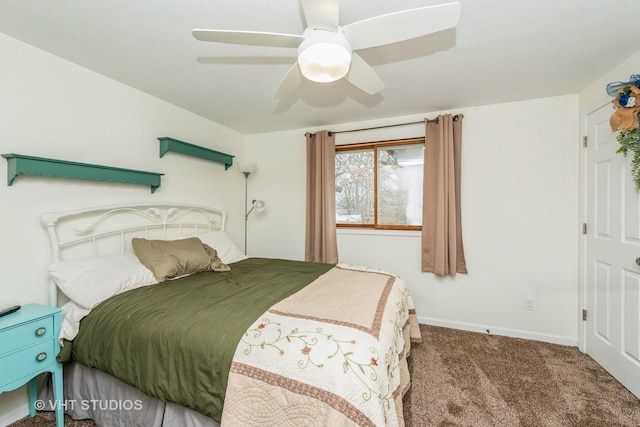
<point x="157" y="334"/>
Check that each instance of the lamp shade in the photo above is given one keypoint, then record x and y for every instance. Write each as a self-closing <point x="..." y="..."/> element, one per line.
<point x="259" y="205"/>
<point x="247" y="167"/>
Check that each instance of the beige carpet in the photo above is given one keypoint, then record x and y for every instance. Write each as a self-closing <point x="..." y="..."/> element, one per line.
<point x="475" y="380"/>
<point x="472" y="379"/>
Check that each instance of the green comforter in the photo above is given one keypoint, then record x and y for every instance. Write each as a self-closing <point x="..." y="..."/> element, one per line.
<point x="176" y="340"/>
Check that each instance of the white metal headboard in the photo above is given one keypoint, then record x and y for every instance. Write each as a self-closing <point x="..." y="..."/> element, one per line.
<point x="108" y="230"/>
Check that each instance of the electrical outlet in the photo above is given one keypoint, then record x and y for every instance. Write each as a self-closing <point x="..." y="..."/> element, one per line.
<point x="530" y="304"/>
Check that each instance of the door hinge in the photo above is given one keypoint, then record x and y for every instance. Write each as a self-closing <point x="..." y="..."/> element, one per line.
<point x="585" y="139"/>
<point x="584" y="315"/>
<point x="584" y="228"/>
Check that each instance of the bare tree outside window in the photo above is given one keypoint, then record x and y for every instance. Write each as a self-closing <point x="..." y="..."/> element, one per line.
<point x="354" y="187"/>
<point x="379" y="185"/>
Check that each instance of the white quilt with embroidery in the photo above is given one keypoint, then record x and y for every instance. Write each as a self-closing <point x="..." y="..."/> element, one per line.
<point x="333" y="354"/>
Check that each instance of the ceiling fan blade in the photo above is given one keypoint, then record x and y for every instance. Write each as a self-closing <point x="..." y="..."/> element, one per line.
<point x="251" y="38"/>
<point x="403" y="25"/>
<point x="362" y="76"/>
<point x="289" y="82"/>
<point x="323" y="14"/>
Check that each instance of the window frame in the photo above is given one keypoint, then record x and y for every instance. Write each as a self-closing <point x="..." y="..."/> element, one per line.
<point x="374" y="145"/>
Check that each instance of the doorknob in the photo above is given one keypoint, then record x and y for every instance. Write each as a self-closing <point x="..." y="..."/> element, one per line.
<point x="638" y="260"/>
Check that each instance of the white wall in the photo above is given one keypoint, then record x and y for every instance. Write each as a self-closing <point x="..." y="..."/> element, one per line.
<point x="52" y="108"/>
<point x="520" y="218"/>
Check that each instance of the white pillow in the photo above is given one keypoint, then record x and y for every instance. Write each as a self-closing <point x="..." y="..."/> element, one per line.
<point x="227" y="250"/>
<point x="89" y="281"/>
<point x="72" y="314"/>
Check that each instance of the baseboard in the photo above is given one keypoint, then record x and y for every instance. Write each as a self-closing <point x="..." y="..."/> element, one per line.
<point x="514" y="333"/>
<point x="14" y="415"/>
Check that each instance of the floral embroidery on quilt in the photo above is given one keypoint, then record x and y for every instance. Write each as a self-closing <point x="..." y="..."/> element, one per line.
<point x="316" y="347"/>
<point x="332" y="359"/>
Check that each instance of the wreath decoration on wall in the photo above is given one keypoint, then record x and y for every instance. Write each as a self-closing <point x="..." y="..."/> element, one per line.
<point x="626" y="103"/>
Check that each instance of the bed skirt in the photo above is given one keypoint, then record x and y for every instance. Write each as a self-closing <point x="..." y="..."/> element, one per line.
<point x="93" y="394"/>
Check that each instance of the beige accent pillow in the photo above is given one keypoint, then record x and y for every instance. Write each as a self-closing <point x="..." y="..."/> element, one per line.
<point x="216" y="262"/>
<point x="172" y="258"/>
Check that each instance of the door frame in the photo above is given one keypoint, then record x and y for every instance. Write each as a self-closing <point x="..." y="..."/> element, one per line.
<point x="582" y="268"/>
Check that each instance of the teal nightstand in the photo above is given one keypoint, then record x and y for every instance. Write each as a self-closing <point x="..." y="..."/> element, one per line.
<point x="28" y="347"/>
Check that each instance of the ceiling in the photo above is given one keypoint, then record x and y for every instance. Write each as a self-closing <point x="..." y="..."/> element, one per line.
<point x="501" y="51"/>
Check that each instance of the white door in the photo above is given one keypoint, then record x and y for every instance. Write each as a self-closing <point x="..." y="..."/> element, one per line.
<point x="612" y="246"/>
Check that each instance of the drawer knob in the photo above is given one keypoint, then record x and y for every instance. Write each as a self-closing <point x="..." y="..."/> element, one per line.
<point x="41" y="356"/>
<point x="41" y="331"/>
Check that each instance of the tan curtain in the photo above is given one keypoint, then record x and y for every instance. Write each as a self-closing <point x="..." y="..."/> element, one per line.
<point x="321" y="243"/>
<point x="442" y="250"/>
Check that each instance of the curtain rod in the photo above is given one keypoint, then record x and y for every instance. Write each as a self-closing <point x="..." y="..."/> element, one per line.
<point x="381" y="127"/>
<point x="390" y="126"/>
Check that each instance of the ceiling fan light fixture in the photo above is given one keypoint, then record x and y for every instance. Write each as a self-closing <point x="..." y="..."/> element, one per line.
<point x="324" y="62"/>
<point x="327" y="50"/>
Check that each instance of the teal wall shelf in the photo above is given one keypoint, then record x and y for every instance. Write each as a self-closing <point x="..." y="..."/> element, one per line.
<point x="171" y="144"/>
<point x="19" y="164"/>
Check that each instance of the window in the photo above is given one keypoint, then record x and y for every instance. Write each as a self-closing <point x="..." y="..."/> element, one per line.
<point x="379" y="184"/>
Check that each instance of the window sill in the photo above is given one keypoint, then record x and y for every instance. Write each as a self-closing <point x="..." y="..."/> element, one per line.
<point x="379" y="232"/>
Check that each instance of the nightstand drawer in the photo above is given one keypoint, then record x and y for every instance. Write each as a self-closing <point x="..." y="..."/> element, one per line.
<point x="28" y="360"/>
<point x="27" y="333"/>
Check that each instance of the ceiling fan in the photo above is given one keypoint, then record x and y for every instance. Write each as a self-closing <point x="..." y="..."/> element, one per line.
<point x="326" y="50"/>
